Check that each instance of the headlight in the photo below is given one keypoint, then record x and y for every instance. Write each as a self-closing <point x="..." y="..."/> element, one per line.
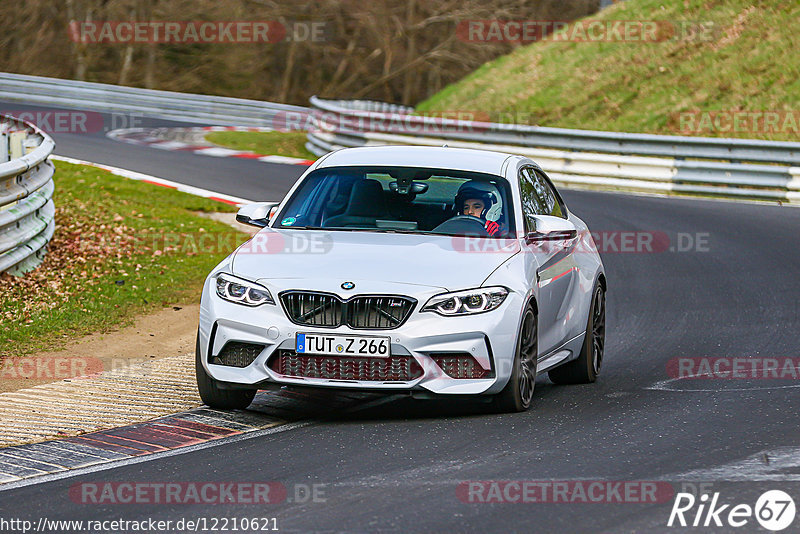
<point x="467" y="302"/>
<point x="242" y="292"/>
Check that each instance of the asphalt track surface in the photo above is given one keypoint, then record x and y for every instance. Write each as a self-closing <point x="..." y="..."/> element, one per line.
<point x="264" y="181"/>
<point x="396" y="465"/>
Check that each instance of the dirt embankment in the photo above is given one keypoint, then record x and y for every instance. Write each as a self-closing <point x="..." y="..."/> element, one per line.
<point x="167" y="332"/>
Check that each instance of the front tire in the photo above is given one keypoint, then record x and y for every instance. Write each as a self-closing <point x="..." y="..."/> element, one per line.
<point x="212" y="394"/>
<point x="518" y="393"/>
<point x="585" y="369"/>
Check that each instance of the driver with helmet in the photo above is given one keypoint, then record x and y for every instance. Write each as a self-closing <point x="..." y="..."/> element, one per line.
<point x="483" y="201"/>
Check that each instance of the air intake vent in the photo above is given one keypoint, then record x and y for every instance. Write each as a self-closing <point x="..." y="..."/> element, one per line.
<point x="236" y="354"/>
<point x="367" y="312"/>
<point x="461" y="365"/>
<point x="391" y="369"/>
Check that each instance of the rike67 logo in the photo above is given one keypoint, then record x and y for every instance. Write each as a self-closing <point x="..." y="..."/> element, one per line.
<point x="774" y="510"/>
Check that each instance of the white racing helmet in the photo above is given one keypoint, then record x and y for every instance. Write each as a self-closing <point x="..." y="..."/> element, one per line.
<point x="484" y="191"/>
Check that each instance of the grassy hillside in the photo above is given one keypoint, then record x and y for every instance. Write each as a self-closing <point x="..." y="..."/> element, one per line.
<point x="749" y="60"/>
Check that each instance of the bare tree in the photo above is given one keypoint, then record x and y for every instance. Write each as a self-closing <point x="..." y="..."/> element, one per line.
<point x="395" y="50"/>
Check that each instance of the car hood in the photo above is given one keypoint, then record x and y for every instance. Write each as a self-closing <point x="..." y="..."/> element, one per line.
<point x="445" y="262"/>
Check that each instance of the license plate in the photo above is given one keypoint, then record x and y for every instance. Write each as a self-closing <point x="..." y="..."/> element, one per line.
<point x="371" y="347"/>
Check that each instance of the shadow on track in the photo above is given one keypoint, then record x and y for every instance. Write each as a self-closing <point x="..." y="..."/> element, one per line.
<point x="296" y="404"/>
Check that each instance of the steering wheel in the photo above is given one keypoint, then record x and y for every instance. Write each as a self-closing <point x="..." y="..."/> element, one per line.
<point x="463" y="225"/>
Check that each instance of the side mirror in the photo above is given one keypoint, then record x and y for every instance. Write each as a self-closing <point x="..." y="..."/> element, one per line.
<point x="550" y="228"/>
<point x="257" y="213"/>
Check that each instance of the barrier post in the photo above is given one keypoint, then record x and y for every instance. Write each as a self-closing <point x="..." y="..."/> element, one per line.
<point x="16" y="141"/>
<point x="4" y="147"/>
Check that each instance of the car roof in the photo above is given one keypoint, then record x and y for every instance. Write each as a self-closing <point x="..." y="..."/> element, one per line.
<point x="464" y="159"/>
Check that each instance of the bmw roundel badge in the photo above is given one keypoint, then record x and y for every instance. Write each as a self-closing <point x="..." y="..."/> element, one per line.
<point x="348" y="285"/>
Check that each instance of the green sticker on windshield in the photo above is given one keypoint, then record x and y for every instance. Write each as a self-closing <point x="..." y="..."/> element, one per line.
<point x="288" y="221"/>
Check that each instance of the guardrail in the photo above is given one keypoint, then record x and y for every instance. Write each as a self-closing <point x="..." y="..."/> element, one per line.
<point x="184" y="107"/>
<point x="27" y="212"/>
<point x="748" y="168"/>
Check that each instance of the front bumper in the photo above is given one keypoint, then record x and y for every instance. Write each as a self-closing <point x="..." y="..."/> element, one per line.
<point x="490" y="338"/>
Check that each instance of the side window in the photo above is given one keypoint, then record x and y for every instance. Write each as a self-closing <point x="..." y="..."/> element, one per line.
<point x="550" y="197"/>
<point x="532" y="203"/>
<point x="538" y="197"/>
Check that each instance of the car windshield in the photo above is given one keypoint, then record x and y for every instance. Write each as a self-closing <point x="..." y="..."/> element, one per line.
<point x="401" y="200"/>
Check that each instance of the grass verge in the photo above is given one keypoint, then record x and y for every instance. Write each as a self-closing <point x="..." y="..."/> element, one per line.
<point x="290" y="144"/>
<point x="744" y="58"/>
<point x="121" y="248"/>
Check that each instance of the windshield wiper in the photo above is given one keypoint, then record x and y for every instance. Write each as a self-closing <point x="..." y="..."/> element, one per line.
<point x="355" y="229"/>
<point x="319" y="228"/>
<point x="397" y="231"/>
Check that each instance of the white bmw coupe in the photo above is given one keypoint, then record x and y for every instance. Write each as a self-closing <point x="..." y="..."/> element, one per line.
<point x="430" y="271"/>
